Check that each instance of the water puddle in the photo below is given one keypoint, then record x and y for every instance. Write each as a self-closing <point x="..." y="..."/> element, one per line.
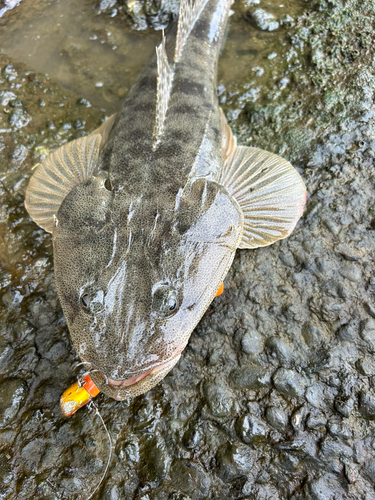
<point x="99" y="57"/>
<point x="96" y="56"/>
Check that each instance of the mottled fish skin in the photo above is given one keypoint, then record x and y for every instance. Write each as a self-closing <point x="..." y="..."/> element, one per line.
<point x="153" y="224"/>
<point x="146" y="212"/>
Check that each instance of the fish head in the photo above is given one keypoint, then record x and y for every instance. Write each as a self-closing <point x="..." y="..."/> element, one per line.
<point x="134" y="279"/>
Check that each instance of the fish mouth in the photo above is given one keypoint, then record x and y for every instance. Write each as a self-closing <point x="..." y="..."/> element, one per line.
<point x="118" y="384"/>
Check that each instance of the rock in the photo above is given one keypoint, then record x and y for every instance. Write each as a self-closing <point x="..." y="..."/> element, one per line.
<point x="367" y="405"/>
<point x="370" y="309"/>
<point x="366" y="366"/>
<point x="284" y="351"/>
<point x="316" y="395"/>
<point x="340" y="430"/>
<point x="327" y="488"/>
<point x="316" y="420"/>
<point x="193" y="437"/>
<point x="57" y="353"/>
<point x="12" y="396"/>
<point x="297" y="418"/>
<point x="289" y="383"/>
<point x="190" y="478"/>
<point x="156" y="461"/>
<point x="332" y="227"/>
<point x="369" y="471"/>
<point x="367" y="332"/>
<point x="344" y="406"/>
<point x="252" y="343"/>
<point x="220" y="399"/>
<point x="6" y="96"/>
<point x="348" y="332"/>
<point x="260" y="491"/>
<point x="333" y="449"/>
<point x="234" y="461"/>
<point x="250" y="376"/>
<point x="11" y="297"/>
<point x="32" y="454"/>
<point x="128" y="451"/>
<point x="351" y="271"/>
<point x="313" y="336"/>
<point x="277" y="418"/>
<point x="111" y="492"/>
<point x="6" y="354"/>
<point x="348" y="253"/>
<point x="19" y="118"/>
<point x="251" y="430"/>
<point x="265" y="20"/>
<point x="20" y="154"/>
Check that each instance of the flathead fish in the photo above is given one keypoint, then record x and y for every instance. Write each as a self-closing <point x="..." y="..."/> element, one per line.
<point x="146" y="212"/>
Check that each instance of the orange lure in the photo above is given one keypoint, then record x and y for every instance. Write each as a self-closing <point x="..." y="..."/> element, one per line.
<point x="77" y="395"/>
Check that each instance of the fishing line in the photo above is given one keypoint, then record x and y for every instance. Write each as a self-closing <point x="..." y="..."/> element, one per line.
<point x="92" y="406"/>
<point x="93" y="371"/>
<point x="82" y="363"/>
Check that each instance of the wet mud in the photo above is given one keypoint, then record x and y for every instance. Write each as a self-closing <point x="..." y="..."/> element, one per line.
<point x="274" y="396"/>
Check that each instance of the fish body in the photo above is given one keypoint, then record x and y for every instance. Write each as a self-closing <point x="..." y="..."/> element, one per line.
<point x="147" y="212"/>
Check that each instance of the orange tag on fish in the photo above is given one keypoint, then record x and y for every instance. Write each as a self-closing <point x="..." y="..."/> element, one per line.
<point x="77" y="395"/>
<point x="220" y="291"/>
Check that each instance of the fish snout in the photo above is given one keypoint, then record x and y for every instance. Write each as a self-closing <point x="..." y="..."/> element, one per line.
<point x="127" y="382"/>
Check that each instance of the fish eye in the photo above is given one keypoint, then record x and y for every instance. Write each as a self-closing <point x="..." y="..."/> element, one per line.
<point x="165" y="301"/>
<point x="169" y="305"/>
<point x="172" y="304"/>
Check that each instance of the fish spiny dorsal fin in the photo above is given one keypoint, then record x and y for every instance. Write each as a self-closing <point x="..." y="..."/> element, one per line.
<point x="228" y="140"/>
<point x="189" y="12"/>
<point x="164" y="85"/>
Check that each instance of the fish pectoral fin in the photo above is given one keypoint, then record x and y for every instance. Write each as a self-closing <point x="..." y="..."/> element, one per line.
<point x="270" y="192"/>
<point x="57" y="175"/>
<point x="228" y="140"/>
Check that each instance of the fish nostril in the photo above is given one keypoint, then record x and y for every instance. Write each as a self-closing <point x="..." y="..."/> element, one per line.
<point x="92" y="302"/>
<point x="85" y="300"/>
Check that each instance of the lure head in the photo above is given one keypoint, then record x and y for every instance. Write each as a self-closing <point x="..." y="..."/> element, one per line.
<point x="134" y="276"/>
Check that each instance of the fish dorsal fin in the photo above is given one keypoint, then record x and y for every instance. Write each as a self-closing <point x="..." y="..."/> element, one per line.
<point x="188" y="14"/>
<point x="105" y="129"/>
<point x="228" y="140"/>
<point x="59" y="173"/>
<point x="164" y="85"/>
<point x="269" y="191"/>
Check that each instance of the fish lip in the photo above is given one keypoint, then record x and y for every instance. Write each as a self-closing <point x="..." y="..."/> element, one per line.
<point x="118" y="384"/>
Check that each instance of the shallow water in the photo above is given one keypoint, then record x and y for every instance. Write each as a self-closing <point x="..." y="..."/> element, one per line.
<point x="98" y="56"/>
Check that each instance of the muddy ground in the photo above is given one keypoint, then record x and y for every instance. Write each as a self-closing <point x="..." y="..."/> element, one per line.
<point x="274" y="397"/>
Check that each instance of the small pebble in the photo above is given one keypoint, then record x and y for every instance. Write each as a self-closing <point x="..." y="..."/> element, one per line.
<point x="265" y="20"/>
<point x="367" y="405"/>
<point x="12" y="396"/>
<point x="277" y="418"/>
<point x="190" y="478"/>
<point x="289" y="382"/>
<point x="220" y="399"/>
<point x="251" y="429"/>
<point x="234" y="461"/>
<point x="252" y="343"/>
